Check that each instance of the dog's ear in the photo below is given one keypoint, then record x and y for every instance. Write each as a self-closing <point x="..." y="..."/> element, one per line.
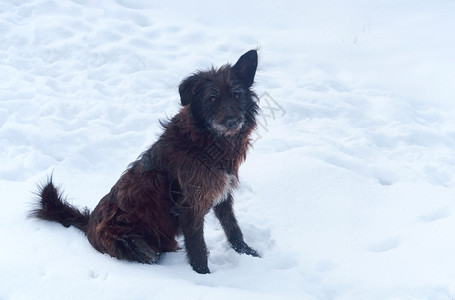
<point x="187" y="89"/>
<point x="245" y="67"/>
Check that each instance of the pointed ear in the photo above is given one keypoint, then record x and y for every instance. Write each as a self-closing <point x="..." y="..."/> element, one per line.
<point x="245" y="68"/>
<point x="187" y="89"/>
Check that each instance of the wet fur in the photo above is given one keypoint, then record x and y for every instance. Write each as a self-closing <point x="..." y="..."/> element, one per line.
<point x="168" y="190"/>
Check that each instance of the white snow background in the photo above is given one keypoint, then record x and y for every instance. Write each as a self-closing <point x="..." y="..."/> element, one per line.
<point x="349" y="192"/>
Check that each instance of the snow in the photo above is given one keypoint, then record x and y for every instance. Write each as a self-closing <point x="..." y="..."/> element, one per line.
<point x="347" y="194"/>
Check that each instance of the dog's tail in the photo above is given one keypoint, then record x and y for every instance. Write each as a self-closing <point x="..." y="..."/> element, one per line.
<point x="52" y="206"/>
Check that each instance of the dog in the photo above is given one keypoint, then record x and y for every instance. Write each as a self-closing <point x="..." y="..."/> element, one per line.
<point x="192" y="168"/>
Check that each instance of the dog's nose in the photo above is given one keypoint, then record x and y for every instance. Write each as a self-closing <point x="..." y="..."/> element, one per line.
<point x="232" y="123"/>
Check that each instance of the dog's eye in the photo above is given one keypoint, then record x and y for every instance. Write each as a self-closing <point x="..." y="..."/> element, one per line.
<point x="213" y="98"/>
<point x="236" y="96"/>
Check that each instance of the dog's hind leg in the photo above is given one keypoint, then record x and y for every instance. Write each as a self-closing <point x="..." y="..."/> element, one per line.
<point x="135" y="248"/>
<point x="118" y="243"/>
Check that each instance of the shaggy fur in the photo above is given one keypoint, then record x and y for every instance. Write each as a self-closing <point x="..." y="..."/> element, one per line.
<point x="168" y="190"/>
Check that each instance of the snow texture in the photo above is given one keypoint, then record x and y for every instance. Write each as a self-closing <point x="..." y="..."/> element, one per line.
<point x="347" y="194"/>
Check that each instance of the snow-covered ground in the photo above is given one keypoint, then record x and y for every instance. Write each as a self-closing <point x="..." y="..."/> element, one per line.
<point x="349" y="192"/>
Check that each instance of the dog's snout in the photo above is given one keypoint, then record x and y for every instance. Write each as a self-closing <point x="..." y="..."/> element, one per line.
<point x="232" y="123"/>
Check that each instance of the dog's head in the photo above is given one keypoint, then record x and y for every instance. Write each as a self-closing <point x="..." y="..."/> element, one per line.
<point x="221" y="100"/>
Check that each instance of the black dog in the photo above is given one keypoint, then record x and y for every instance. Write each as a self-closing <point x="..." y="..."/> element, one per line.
<point x="171" y="187"/>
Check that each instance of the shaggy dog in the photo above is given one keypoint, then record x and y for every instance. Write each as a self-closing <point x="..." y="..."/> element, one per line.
<point x="169" y="189"/>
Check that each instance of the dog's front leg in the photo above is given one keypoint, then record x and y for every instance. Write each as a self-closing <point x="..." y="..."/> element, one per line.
<point x="225" y="214"/>
<point x="193" y="233"/>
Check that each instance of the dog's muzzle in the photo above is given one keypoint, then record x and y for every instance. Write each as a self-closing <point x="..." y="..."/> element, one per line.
<point x="229" y="126"/>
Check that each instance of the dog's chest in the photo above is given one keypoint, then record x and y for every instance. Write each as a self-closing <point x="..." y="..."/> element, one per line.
<point x="229" y="183"/>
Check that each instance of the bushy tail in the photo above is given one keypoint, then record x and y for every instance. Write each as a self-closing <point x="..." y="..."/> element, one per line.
<point x="52" y="206"/>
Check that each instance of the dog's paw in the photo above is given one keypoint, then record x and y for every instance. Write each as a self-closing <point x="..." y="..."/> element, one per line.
<point x="245" y="249"/>
<point x="251" y="252"/>
<point x="201" y="269"/>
